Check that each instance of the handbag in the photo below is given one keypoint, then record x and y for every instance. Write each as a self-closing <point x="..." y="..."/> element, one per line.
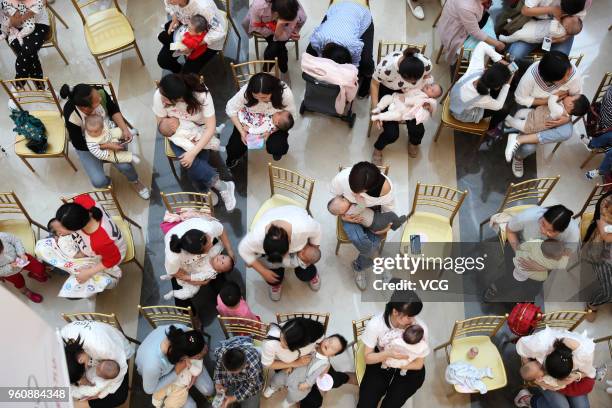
<point x="31" y="128"/>
<point x="523" y="318"/>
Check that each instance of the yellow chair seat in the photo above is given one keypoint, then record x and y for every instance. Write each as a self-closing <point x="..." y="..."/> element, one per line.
<point x="585" y="221"/>
<point x="340" y="233"/>
<point x="513" y="211"/>
<point x="475" y="128"/>
<point x="169" y="151"/>
<point x="107" y="30"/>
<point x="488" y="356"/>
<point x="22" y="230"/>
<point x="56" y="135"/>
<point x="360" y="363"/>
<point x="124" y="227"/>
<point x="277" y="200"/>
<point x="435" y="227"/>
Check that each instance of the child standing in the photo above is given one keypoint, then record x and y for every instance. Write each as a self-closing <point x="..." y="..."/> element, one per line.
<point x="231" y="304"/>
<point x="13" y="259"/>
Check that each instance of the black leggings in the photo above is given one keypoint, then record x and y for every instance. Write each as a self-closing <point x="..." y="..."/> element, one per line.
<point x="303" y="274"/>
<point x="314" y="399"/>
<point x="277" y="49"/>
<point x="27" y="64"/>
<point x="391" y="129"/>
<point x="115" y="399"/>
<point x="378" y="382"/>
<point x="277" y="145"/>
<point x="166" y="60"/>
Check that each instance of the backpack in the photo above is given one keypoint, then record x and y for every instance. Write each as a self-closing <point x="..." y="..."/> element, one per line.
<point x="523" y="318"/>
<point x="31" y="128"/>
<point x="510" y="20"/>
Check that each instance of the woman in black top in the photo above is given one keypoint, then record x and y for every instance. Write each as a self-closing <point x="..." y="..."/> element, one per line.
<point x="84" y="100"/>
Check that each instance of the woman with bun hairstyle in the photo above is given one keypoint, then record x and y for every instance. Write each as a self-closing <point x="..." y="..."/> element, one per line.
<point x="186" y="251"/>
<point x="99" y="241"/>
<point x="84" y="100"/>
<point x="165" y="352"/>
<point x="399" y="72"/>
<point x="481" y="92"/>
<point x="564" y="355"/>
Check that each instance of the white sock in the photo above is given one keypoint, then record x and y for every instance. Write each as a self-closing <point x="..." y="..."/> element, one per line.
<point x="169" y="295"/>
<point x="165" y="277"/>
<point x="220" y="185"/>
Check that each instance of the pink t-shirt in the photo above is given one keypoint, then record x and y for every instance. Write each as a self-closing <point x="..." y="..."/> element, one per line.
<point x="242" y="310"/>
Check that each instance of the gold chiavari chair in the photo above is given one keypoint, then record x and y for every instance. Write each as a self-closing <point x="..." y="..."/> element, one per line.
<point x="341" y="236"/>
<point x="433" y="211"/>
<point x="359" y="327"/>
<point x="322" y="318"/>
<point x="51" y="40"/>
<point x="603" y="87"/>
<point x="107" y="199"/>
<point x="588" y="209"/>
<point x="229" y="22"/>
<point x="168" y="149"/>
<point x="606" y="339"/>
<point x="239" y="326"/>
<point x="562" y="319"/>
<point x="295" y="189"/>
<point x="40" y="97"/>
<point x="108" y="32"/>
<point x="387" y="47"/>
<point x="166" y="314"/>
<point x="477" y="332"/>
<point x="243" y="72"/>
<point x="175" y="202"/>
<point x="534" y="191"/>
<point x="435" y="23"/>
<point x="12" y="213"/>
<point x="110" y="319"/>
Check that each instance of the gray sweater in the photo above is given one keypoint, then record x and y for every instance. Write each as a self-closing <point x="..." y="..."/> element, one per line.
<point x="13" y="247"/>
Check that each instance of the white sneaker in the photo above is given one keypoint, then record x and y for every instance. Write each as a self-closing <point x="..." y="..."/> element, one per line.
<point x="511" y="146"/>
<point x="517" y="167"/>
<point x="275" y="292"/>
<point x="142" y="190"/>
<point x="523" y="399"/>
<point x="417" y="10"/>
<point x="361" y="279"/>
<point x="315" y="283"/>
<point x="135" y="159"/>
<point x="591" y="174"/>
<point x="227" y="196"/>
<point x="169" y="295"/>
<point x="268" y="392"/>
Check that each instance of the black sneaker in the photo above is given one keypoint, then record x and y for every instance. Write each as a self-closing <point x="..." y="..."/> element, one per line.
<point x="277" y="157"/>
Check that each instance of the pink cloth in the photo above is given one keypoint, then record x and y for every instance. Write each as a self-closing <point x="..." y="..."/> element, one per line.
<point x="242" y="310"/>
<point x="459" y="19"/>
<point x="343" y="75"/>
<point x="260" y="11"/>
<point x="171" y="219"/>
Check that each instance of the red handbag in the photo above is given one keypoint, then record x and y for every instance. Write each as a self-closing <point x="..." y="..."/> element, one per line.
<point x="523" y="318"/>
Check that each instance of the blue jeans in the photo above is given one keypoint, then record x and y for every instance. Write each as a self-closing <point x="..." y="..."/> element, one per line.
<point x="365" y="241"/>
<point x="551" y="399"/>
<point x="521" y="49"/>
<point x="554" y="135"/>
<point x="604" y="140"/>
<point x="95" y="170"/>
<point x="201" y="173"/>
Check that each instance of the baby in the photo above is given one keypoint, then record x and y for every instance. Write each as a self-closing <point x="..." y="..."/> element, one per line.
<point x="98" y="133"/>
<point x="533" y="371"/>
<point x="408" y="342"/>
<point x="230" y="303"/>
<point x="68" y="247"/>
<point x="191" y="43"/>
<point x="535" y="30"/>
<point x="175" y="395"/>
<point x="534" y="120"/>
<point x="185" y="134"/>
<point x="213" y="264"/>
<point x="300" y="380"/>
<point x="27" y="27"/>
<point x="409" y="105"/>
<point x="309" y="255"/>
<point x="550" y="254"/>
<point x="375" y="221"/>
<point x="259" y="125"/>
<point x="99" y="372"/>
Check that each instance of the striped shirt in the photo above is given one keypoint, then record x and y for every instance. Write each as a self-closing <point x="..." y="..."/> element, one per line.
<point x="605" y="111"/>
<point x="344" y="24"/>
<point x="532" y="86"/>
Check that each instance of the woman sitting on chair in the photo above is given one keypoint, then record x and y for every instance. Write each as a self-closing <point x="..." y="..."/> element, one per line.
<point x="278" y="21"/>
<point x="181" y="12"/>
<point x="85" y="100"/>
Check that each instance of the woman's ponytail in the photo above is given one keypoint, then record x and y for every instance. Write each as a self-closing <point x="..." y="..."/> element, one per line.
<point x="482" y="88"/>
<point x="96" y="213"/>
<point x="183" y="343"/>
<point x="175" y="244"/>
<point x="410" y="52"/>
<point x="65" y="92"/>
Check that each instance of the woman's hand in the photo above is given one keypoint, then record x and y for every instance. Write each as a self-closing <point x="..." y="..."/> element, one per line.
<point x="499" y="46"/>
<point x="187" y="159"/>
<point x="530" y="265"/>
<point x="389" y="353"/>
<point x="561" y="39"/>
<point x="182" y="275"/>
<point x="243" y="133"/>
<point x="24" y="257"/>
<point x="173" y="25"/>
<point x="127" y="135"/>
<point x="556" y="12"/>
<point x="553" y="123"/>
<point x="304" y="386"/>
<point x="384" y="230"/>
<point x="269" y="276"/>
<point x="562" y="94"/>
<point x="354" y="219"/>
<point x="85" y="274"/>
<point x="302" y="361"/>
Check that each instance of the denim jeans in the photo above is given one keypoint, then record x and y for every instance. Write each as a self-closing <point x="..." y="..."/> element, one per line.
<point x="551" y="399"/>
<point x="365" y="241"/>
<point x="555" y="135"/>
<point x="201" y="173"/>
<point x="604" y="140"/>
<point x="521" y="49"/>
<point x="95" y="170"/>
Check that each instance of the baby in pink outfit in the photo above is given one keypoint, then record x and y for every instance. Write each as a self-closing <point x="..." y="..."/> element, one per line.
<point x="408" y="105"/>
<point x="408" y="342"/>
<point x="231" y="304"/>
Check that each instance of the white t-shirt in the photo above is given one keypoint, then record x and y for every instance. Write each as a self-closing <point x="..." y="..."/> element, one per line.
<point x="189" y="262"/>
<point x="271" y="350"/>
<point x="377" y="329"/>
<point x="531" y="86"/>
<point x="180" y="109"/>
<point x="238" y="102"/>
<point x="340" y="186"/>
<point x="304" y="230"/>
<point x="550" y="3"/>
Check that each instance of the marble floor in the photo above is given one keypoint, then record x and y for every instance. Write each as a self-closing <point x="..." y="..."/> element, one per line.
<point x="319" y="144"/>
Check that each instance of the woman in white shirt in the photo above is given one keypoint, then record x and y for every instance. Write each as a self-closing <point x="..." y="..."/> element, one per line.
<point x="186" y="248"/>
<point x="381" y="382"/>
<point x="184" y="96"/>
<point x="364" y="184"/>
<point x="481" y="92"/>
<point x="263" y="94"/>
<point x="279" y="233"/>
<point x="290" y="345"/>
<point x="181" y="11"/>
